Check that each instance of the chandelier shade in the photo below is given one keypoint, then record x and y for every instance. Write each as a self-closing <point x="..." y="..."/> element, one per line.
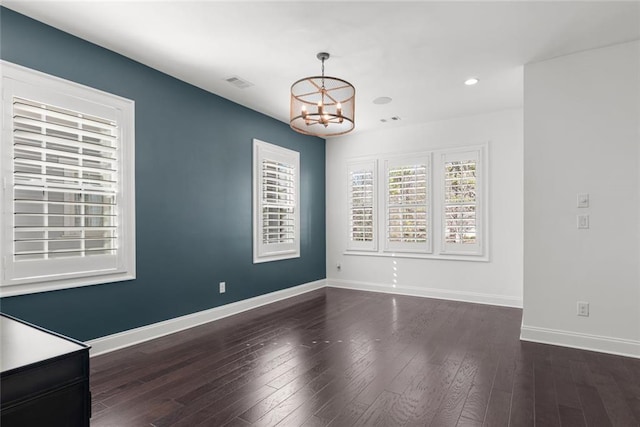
<point x="321" y="105"/>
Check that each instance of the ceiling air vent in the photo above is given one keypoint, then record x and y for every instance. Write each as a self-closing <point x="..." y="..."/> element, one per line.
<point x="238" y="82"/>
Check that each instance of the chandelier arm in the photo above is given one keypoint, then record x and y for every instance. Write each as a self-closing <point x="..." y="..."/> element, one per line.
<point x="331" y="118"/>
<point x="330" y="97"/>
<point x="316" y="85"/>
<point x="302" y="95"/>
<point x="305" y="94"/>
<point x="320" y="89"/>
<point x="313" y="122"/>
<point x="310" y="80"/>
<point x="339" y="87"/>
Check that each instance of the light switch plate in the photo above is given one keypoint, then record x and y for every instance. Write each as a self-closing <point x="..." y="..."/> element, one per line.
<point x="583" y="200"/>
<point x="583" y="221"/>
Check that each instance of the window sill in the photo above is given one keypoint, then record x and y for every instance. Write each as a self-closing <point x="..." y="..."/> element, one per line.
<point x="32" y="288"/>
<point x="279" y="257"/>
<point x="440" y="257"/>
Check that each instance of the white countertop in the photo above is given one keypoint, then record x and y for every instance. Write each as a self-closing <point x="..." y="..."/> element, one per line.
<point x="22" y="345"/>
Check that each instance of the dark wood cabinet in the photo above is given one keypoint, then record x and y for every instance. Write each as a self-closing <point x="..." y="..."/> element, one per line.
<point x="44" y="379"/>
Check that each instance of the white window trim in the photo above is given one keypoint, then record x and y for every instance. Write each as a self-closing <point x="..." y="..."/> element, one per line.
<point x="24" y="82"/>
<point x="363" y="164"/>
<point x="435" y="207"/>
<point x="274" y="252"/>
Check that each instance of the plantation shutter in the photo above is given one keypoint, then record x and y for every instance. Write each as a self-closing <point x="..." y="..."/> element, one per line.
<point x="407" y="205"/>
<point x="68" y="184"/>
<point x="462" y="216"/>
<point x="65" y="183"/>
<point x="276" y="202"/>
<point x="362" y="206"/>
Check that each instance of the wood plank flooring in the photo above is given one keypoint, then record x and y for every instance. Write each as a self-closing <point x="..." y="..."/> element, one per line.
<point x="337" y="357"/>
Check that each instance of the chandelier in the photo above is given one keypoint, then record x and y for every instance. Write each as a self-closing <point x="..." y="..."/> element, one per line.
<point x="322" y="106"/>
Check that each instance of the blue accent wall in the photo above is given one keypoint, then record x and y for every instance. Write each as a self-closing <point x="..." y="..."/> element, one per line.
<point x="193" y="193"/>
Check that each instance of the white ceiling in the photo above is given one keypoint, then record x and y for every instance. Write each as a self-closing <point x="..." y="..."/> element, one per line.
<point x="419" y="53"/>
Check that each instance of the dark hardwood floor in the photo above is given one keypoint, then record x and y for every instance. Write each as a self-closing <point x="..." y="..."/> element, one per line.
<point x="341" y="358"/>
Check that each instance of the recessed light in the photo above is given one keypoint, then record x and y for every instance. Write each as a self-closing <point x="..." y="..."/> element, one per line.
<point x="471" y="81"/>
<point x="382" y="100"/>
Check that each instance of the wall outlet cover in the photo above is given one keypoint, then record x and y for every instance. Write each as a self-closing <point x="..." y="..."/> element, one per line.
<point x="583" y="308"/>
<point x="583" y="221"/>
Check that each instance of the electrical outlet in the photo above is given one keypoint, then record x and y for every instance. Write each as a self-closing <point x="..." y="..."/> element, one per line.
<point x="583" y="221"/>
<point x="583" y="308"/>
<point x="223" y="287"/>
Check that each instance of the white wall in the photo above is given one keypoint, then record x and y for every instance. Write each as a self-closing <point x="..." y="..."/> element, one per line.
<point x="581" y="135"/>
<point x="498" y="281"/>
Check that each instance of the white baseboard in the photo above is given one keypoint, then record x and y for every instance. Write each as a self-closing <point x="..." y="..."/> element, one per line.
<point x="478" y="298"/>
<point x="145" y="333"/>
<point x="131" y="337"/>
<point x="622" y="347"/>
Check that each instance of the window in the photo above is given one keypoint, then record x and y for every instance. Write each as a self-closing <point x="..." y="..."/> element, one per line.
<point x="362" y="204"/>
<point x="407" y="202"/>
<point x="68" y="190"/>
<point x="428" y="211"/>
<point x="461" y="211"/>
<point x="276" y="214"/>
